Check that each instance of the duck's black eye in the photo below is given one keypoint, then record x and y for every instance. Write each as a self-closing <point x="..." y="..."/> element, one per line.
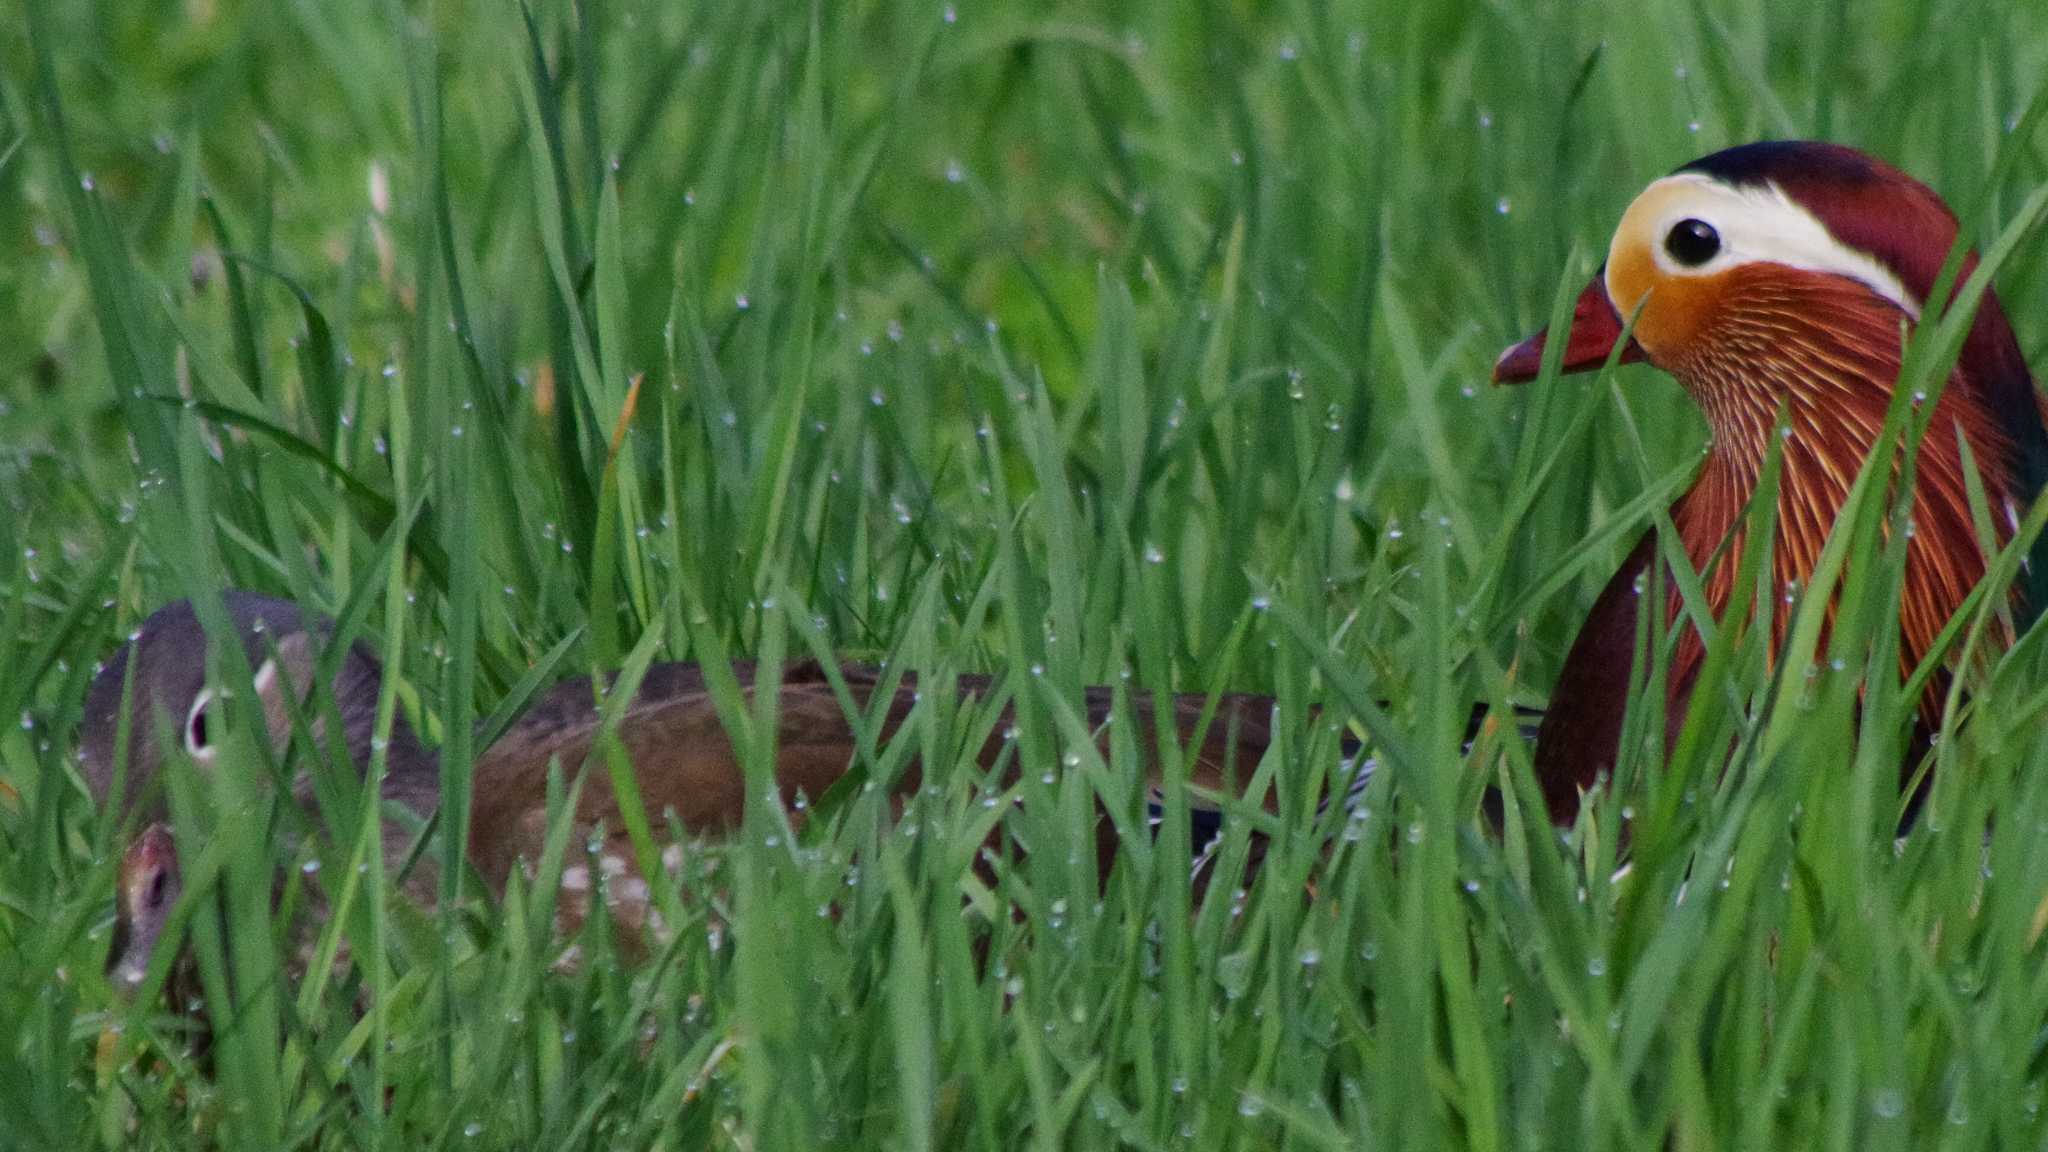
<point x="1692" y="242"/>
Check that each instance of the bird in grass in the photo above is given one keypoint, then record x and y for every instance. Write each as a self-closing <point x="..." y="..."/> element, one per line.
<point x="683" y="761"/>
<point x="1766" y="277"/>
<point x="1782" y="277"/>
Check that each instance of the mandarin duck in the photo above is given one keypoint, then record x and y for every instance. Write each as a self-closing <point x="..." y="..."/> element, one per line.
<point x="1781" y="276"/>
<point x="683" y="761"/>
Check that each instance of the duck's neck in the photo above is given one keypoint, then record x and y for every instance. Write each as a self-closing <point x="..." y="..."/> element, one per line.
<point x="1833" y="394"/>
<point x="1828" y="361"/>
<point x="412" y="771"/>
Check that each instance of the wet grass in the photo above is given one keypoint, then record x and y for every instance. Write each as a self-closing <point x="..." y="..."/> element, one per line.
<point x="1141" y="345"/>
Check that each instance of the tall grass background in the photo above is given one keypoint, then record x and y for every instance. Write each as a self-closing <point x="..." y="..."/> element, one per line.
<point x="1139" y="344"/>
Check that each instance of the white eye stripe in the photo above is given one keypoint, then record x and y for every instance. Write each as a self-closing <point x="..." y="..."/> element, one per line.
<point x="197" y="743"/>
<point x="1757" y="224"/>
<point x="264" y="678"/>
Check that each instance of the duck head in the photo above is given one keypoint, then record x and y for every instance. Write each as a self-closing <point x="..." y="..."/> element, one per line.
<point x="176" y="711"/>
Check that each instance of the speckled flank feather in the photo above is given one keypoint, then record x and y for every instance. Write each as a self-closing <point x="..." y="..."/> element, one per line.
<point x="1827" y="350"/>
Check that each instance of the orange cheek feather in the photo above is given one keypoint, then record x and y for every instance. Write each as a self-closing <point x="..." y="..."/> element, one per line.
<point x="1678" y="307"/>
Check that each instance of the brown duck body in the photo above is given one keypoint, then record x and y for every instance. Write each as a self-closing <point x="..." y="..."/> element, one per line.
<point x="683" y="762"/>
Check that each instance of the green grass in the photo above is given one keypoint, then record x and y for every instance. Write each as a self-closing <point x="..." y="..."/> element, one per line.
<point x="1135" y="344"/>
